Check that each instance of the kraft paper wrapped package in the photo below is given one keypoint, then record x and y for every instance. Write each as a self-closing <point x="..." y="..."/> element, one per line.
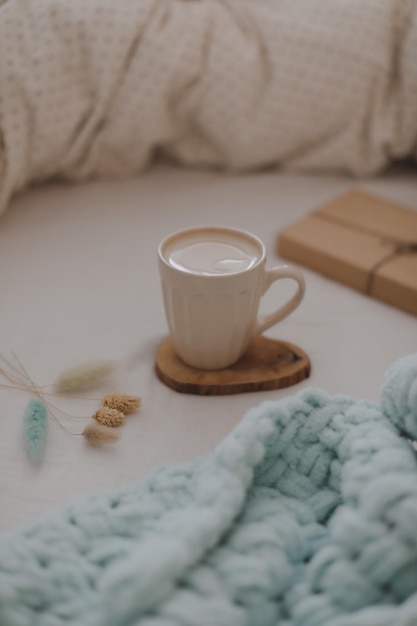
<point x="365" y="242"/>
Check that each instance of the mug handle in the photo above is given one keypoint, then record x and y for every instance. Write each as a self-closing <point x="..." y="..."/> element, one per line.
<point x="271" y="275"/>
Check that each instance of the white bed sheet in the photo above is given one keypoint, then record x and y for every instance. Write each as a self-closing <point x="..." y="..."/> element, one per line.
<point x="79" y="282"/>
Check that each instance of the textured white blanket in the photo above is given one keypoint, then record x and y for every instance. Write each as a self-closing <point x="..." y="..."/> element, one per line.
<point x="97" y="87"/>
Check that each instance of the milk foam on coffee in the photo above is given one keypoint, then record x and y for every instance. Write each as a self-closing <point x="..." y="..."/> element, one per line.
<point x="212" y="253"/>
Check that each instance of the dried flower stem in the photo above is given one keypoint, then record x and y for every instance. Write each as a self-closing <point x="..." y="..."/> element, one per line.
<point x="19" y="381"/>
<point x="111" y="414"/>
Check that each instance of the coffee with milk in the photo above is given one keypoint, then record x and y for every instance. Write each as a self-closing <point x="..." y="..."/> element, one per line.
<point x="212" y="252"/>
<point x="212" y="281"/>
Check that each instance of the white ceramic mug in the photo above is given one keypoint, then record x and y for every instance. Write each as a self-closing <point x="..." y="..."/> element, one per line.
<point x="212" y="282"/>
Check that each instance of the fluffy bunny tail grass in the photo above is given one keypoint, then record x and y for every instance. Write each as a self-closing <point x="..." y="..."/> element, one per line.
<point x="83" y="377"/>
<point x="35" y="429"/>
<point x="96" y="434"/>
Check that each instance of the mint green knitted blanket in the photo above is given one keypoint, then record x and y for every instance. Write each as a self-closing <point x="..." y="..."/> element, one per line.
<point x="305" y="515"/>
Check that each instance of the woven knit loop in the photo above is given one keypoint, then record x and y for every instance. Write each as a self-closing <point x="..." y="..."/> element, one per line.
<point x="305" y="515"/>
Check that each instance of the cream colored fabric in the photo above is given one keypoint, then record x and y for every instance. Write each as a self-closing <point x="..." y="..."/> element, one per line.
<point x="97" y="87"/>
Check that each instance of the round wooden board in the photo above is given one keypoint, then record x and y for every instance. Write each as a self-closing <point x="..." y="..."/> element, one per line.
<point x="267" y="364"/>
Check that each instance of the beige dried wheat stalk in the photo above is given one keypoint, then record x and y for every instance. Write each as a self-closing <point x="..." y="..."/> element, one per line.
<point x="109" y="417"/>
<point x="122" y="402"/>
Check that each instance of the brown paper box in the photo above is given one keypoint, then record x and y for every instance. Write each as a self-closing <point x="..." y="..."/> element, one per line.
<point x="356" y="240"/>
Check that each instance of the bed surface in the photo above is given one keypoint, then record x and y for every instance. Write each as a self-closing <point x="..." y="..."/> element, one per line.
<point x="79" y="282"/>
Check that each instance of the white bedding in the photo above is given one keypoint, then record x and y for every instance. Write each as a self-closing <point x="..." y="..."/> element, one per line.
<point x="79" y="281"/>
<point x="96" y="87"/>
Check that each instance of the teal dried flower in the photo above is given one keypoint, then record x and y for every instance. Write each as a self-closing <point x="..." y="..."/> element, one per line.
<point x="35" y="429"/>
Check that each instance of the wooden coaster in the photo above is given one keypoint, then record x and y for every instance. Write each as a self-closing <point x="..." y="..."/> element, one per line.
<point x="267" y="364"/>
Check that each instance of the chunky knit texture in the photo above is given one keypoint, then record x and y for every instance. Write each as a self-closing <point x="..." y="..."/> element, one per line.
<point x="305" y="515"/>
